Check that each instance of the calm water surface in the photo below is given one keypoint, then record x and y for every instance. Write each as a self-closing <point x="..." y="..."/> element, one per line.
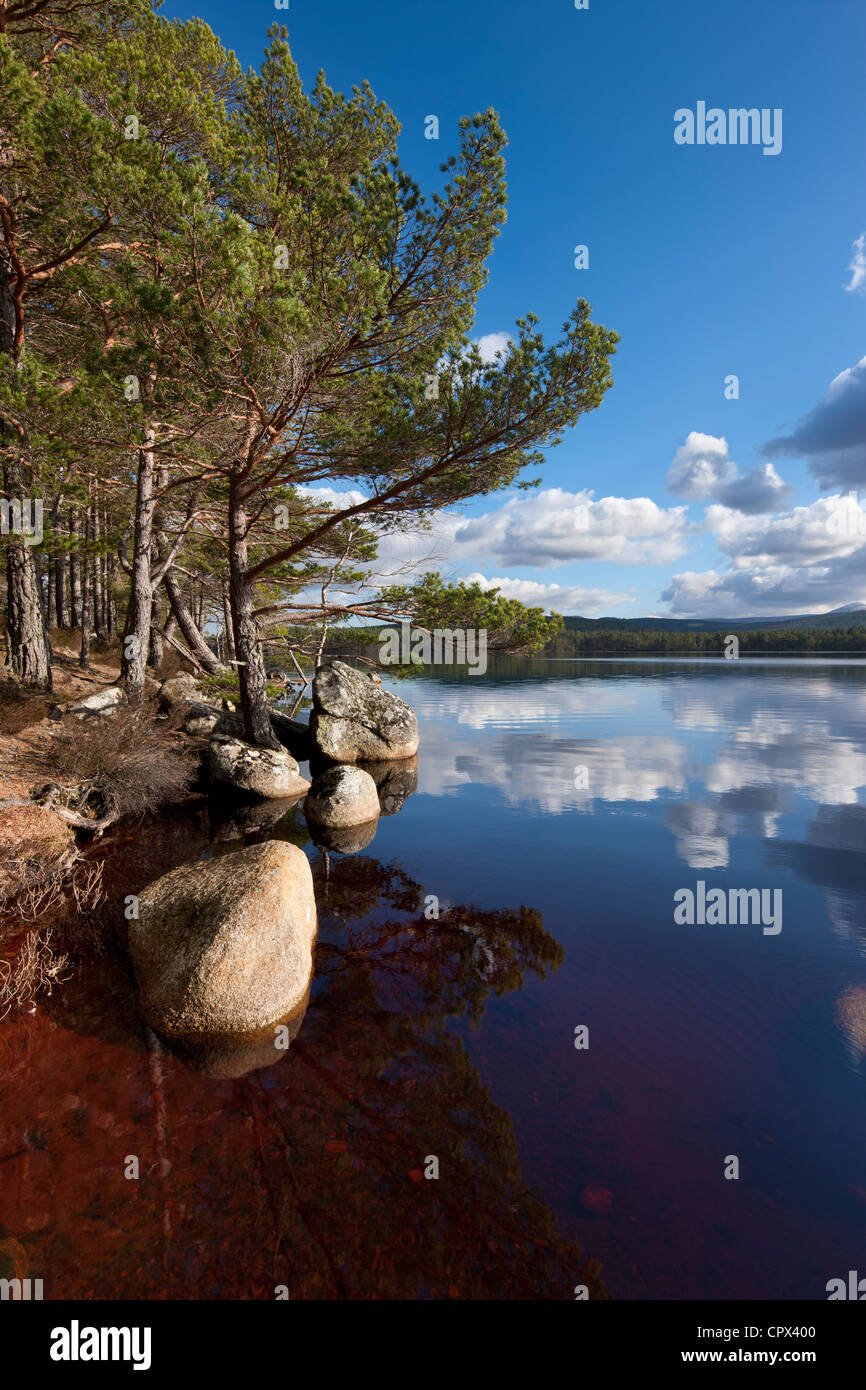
<point x="555" y="810"/>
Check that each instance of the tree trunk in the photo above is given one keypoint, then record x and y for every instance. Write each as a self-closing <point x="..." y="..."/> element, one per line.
<point x="251" y="668"/>
<point x="27" y="649"/>
<point x="54" y="608"/>
<point x="156" y="646"/>
<point x="51" y="601"/>
<point x="136" y="632"/>
<point x="227" y="623"/>
<point x="86" y="598"/>
<point x="98" y="605"/>
<point x="182" y="616"/>
<point x="40" y="584"/>
<point x="110" y="608"/>
<point x="25" y="629"/>
<point x="74" y="569"/>
<point x="106" y="577"/>
<point x="155" y="649"/>
<point x="61" y="592"/>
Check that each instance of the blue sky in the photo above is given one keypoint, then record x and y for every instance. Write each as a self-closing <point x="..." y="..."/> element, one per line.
<point x="708" y="260"/>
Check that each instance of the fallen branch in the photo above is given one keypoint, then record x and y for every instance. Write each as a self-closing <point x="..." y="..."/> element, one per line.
<point x="179" y="647"/>
<point x="79" y="822"/>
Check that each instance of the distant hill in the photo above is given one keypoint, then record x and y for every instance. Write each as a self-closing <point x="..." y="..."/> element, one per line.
<point x="851" y="615"/>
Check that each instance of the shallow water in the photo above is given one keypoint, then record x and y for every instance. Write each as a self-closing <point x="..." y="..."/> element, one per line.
<point x="559" y="807"/>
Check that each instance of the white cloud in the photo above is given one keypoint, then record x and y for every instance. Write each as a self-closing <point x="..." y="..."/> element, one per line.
<point x="810" y="559"/>
<point x="703" y="470"/>
<point x="350" y="498"/>
<point x="776" y="591"/>
<point x="824" y="530"/>
<point x="492" y="344"/>
<point x="554" y="527"/>
<point x="556" y="598"/>
<point x="402" y="554"/>
<point x="858" y="265"/>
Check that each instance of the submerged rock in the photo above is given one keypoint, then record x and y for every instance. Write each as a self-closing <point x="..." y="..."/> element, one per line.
<point x="225" y="946"/>
<point x="341" y="797"/>
<point x="232" y="819"/>
<point x="354" y="719"/>
<point x="262" y="772"/>
<point x="227" y="1056"/>
<point x="851" y="1017"/>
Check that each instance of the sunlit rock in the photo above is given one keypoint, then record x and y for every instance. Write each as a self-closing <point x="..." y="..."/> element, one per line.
<point x="354" y="719"/>
<point x="103" y="702"/>
<point x="201" y="720"/>
<point x="261" y="772"/>
<point x="225" y="946"/>
<point x="341" y="797"/>
<point x="178" y="690"/>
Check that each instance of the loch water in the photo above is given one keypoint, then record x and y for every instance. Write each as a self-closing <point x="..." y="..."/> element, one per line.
<point x="518" y="898"/>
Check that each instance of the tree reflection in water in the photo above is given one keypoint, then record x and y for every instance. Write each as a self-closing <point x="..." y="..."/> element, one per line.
<point x="309" y="1173"/>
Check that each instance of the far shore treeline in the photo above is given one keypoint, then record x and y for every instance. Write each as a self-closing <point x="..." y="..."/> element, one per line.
<point x="619" y="641"/>
<point x="624" y="641"/>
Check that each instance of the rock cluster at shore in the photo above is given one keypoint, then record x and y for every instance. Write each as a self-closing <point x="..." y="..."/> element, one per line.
<point x="223" y="949"/>
<point x="353" y="721"/>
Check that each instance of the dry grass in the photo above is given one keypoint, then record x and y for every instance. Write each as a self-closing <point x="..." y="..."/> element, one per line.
<point x="20" y="708"/>
<point x="50" y="887"/>
<point x="37" y="853"/>
<point x="52" y="901"/>
<point x="43" y="875"/>
<point x="90" y="921"/>
<point x="123" y="765"/>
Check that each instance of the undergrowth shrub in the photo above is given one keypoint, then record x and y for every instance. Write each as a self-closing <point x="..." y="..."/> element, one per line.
<point x="121" y="765"/>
